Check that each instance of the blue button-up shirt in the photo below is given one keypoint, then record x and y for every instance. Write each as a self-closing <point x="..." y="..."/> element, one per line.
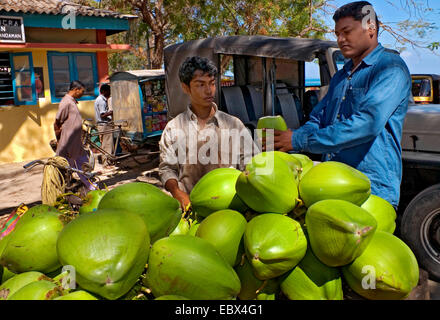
<point x="359" y="122"/>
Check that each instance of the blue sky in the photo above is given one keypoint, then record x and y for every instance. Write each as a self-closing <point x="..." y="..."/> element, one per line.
<point x="418" y="60"/>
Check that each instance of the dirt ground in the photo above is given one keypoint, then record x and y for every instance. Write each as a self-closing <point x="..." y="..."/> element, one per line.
<point x="18" y="186"/>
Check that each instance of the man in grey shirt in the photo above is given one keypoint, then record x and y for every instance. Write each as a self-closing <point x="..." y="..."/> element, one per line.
<point x="68" y="130"/>
<point x="202" y="138"/>
<point x="103" y="119"/>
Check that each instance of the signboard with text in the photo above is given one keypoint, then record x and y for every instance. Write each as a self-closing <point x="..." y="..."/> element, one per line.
<point x="11" y="30"/>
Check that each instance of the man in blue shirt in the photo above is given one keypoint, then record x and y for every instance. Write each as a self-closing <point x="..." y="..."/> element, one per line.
<point x="103" y="118"/>
<point x="359" y="122"/>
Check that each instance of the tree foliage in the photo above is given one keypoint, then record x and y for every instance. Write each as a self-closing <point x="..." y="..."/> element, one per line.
<point x="415" y="30"/>
<point x="163" y="22"/>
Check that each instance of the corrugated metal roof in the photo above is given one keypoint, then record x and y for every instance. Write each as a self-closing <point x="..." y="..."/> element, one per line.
<point x="56" y="7"/>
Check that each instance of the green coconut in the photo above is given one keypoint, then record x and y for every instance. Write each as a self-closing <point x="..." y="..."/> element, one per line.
<point x="253" y="288"/>
<point x="268" y="185"/>
<point x="31" y="246"/>
<point x="6" y="275"/>
<point x="3" y="242"/>
<point x="305" y="161"/>
<point x="191" y="267"/>
<point x="334" y="180"/>
<point x="108" y="249"/>
<point x="224" y="230"/>
<point x="37" y="290"/>
<point x="270" y="290"/>
<point x="171" y="297"/>
<point x="12" y="285"/>
<point x="92" y="200"/>
<point x="215" y="191"/>
<point x="382" y="211"/>
<point x="193" y="229"/>
<point x="386" y="270"/>
<point x="39" y="210"/>
<point x="312" y="280"/>
<point x="182" y="228"/>
<point x="160" y="212"/>
<point x="77" y="295"/>
<point x="292" y="162"/>
<point x="339" y="231"/>
<point x="272" y="122"/>
<point x="274" y="244"/>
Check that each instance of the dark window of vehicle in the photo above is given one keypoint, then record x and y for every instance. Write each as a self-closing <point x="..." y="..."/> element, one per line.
<point x="339" y="60"/>
<point x="421" y="88"/>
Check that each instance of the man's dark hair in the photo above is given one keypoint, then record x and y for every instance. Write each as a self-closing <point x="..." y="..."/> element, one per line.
<point x="192" y="64"/>
<point x="104" y="88"/>
<point x="354" y="10"/>
<point x="76" y="84"/>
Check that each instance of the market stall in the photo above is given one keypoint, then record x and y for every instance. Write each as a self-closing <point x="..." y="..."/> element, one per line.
<point x="138" y="98"/>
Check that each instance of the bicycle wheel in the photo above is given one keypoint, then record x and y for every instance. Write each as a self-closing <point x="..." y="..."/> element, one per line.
<point x="90" y="165"/>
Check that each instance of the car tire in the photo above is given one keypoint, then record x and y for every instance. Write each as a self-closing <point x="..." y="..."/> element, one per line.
<point x="420" y="229"/>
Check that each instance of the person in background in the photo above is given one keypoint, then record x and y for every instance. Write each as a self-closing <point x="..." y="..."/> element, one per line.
<point x="68" y="131"/>
<point x="39" y="86"/>
<point x="359" y="122"/>
<point x="103" y="118"/>
<point x="180" y="172"/>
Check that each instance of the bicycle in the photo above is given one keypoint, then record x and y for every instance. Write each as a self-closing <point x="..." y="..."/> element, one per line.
<point x="128" y="147"/>
<point x="60" y="186"/>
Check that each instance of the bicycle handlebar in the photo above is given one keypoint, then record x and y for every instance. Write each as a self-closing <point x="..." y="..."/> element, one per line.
<point x="122" y="123"/>
<point x="34" y="163"/>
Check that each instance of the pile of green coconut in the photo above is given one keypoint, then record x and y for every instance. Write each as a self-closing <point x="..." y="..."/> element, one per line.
<point x="286" y="228"/>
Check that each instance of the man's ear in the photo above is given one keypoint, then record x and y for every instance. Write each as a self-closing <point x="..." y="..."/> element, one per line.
<point x="372" y="29"/>
<point x="185" y="88"/>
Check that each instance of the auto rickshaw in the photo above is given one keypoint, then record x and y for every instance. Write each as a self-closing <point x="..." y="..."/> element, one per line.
<point x="268" y="75"/>
<point x="268" y="78"/>
<point x="139" y="101"/>
<point x="426" y="88"/>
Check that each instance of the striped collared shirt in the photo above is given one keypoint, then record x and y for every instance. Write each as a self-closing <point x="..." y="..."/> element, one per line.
<point x="188" y="152"/>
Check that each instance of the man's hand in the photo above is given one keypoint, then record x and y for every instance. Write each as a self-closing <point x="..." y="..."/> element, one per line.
<point x="106" y="114"/>
<point x="57" y="130"/>
<point x="173" y="187"/>
<point x="283" y="140"/>
<point x="183" y="198"/>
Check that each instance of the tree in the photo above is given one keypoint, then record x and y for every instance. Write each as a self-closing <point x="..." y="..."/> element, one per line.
<point x="414" y="30"/>
<point x="163" y="22"/>
<point x="434" y="46"/>
<point x="265" y="17"/>
<point x="156" y="20"/>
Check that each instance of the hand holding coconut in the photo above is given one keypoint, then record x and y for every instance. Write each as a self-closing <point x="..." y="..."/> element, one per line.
<point x="283" y="140"/>
<point x="278" y="129"/>
<point x="181" y="196"/>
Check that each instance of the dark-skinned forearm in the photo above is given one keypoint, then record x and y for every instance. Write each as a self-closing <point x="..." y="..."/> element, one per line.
<point x="172" y="186"/>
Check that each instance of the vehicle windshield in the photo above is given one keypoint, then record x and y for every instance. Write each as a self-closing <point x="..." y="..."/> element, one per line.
<point x="339" y="60"/>
<point x="421" y="87"/>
